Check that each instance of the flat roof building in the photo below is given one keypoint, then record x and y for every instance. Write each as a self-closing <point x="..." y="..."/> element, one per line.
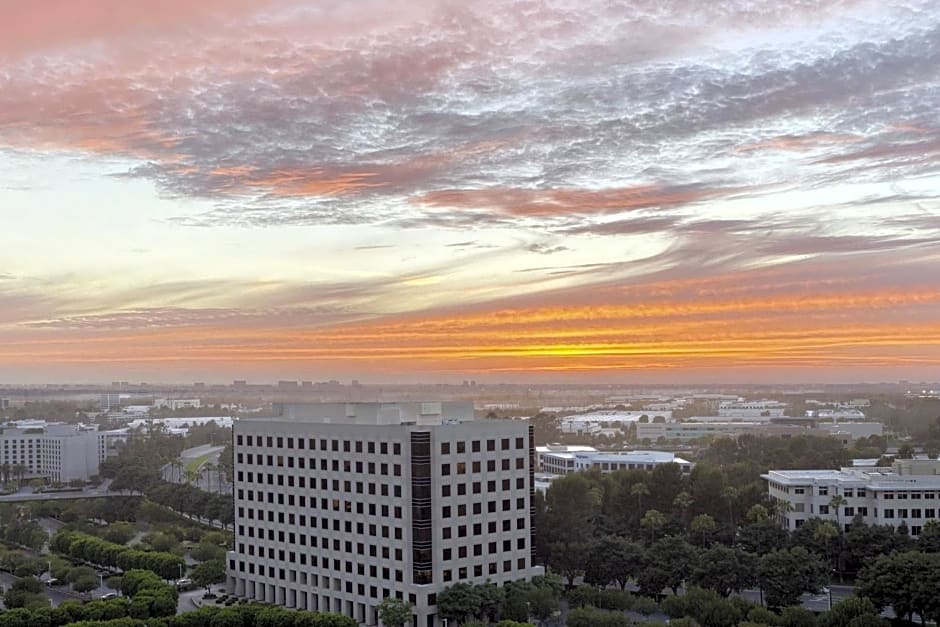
<point x="340" y="505"/>
<point x="564" y="462"/>
<point x="59" y="451"/>
<point x="908" y="492"/>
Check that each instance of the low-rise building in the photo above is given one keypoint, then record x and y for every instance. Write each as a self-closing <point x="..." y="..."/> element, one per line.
<point x="908" y="492"/>
<point x="564" y="462"/>
<point x="586" y="424"/>
<point x="751" y="409"/>
<point x="693" y="430"/>
<point x="175" y="404"/>
<point x="58" y="451"/>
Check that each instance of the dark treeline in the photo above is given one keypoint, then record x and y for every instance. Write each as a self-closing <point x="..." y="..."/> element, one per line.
<point x="715" y="528"/>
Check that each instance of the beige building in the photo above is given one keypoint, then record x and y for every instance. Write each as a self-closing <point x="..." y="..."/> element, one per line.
<point x="339" y="506"/>
<point x="908" y="492"/>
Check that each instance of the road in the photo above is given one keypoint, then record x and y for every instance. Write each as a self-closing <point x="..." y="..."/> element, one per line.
<point x="27" y="494"/>
<point x="207" y="480"/>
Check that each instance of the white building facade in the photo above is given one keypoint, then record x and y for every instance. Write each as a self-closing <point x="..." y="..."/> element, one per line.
<point x="339" y="506"/>
<point x="907" y="492"/>
<point x="564" y="462"/>
<point x="58" y="451"/>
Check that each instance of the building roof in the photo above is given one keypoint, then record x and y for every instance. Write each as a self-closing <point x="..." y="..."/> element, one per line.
<point x="621" y="457"/>
<point x="872" y="478"/>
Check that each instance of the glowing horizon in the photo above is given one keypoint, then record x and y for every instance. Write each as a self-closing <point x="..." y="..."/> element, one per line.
<point x="617" y="190"/>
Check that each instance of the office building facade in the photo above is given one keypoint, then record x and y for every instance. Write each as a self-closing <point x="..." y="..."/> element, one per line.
<point x="908" y="492"/>
<point x="339" y="506"/>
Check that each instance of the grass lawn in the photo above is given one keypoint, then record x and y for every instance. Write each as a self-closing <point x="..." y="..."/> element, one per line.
<point x="195" y="464"/>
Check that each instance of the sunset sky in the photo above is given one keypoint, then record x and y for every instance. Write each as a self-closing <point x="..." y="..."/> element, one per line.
<point x="536" y="190"/>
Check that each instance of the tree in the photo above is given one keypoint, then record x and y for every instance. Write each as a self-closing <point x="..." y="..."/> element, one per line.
<point x="85" y="583"/>
<point x="208" y="573"/>
<point x="571" y="507"/>
<point x="703" y="529"/>
<point x="762" y="537"/>
<point x="394" y="612"/>
<point x="929" y="540"/>
<point x="786" y="574"/>
<point x="639" y="490"/>
<point x="837" y="502"/>
<point x="675" y="558"/>
<point x="543" y="603"/>
<point x="654" y="521"/>
<point x="683" y="502"/>
<point x="614" y="558"/>
<point x="906" y="581"/>
<point x="730" y="494"/>
<point x="725" y="570"/>
<point x="850" y="612"/>
<point x="459" y="602"/>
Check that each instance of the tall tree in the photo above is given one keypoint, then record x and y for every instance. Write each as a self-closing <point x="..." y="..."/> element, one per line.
<point x="394" y="612"/>
<point x="683" y="502"/>
<point x="614" y="559"/>
<point x="654" y="521"/>
<point x="725" y="570"/>
<point x="786" y="574"/>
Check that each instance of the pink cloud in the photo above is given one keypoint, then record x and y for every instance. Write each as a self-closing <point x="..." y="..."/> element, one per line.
<point x="35" y="27"/>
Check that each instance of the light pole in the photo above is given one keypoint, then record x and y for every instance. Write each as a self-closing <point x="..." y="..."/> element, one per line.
<point x="181" y="571"/>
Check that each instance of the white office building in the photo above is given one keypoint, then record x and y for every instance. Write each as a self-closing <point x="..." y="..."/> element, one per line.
<point x="175" y="404"/>
<point x="908" y="492"/>
<point x="58" y="451"/>
<point x="751" y="409"/>
<point x="339" y="506"/>
<point x="563" y="462"/>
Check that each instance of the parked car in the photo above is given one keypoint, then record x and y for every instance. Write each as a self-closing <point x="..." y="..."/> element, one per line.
<point x="54" y="582"/>
<point x="109" y="595"/>
<point x="184" y="584"/>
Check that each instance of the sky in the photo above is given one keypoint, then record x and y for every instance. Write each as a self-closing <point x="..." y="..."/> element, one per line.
<point x="517" y="190"/>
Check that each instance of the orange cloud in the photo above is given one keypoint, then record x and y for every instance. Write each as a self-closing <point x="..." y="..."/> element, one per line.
<point x="564" y="201"/>
<point x="860" y="330"/>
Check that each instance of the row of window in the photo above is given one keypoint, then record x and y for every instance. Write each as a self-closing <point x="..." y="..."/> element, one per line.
<point x="337" y="584"/>
<point x="491" y="569"/>
<point x="460" y="468"/>
<point x="477" y="507"/>
<point x="362" y="529"/>
<point x="913" y="513"/>
<point x="476" y="487"/>
<point x="335" y="446"/>
<point x="336" y="505"/>
<point x="373" y="551"/>
<point x="475" y="445"/>
<point x="863" y="493"/>
<point x="902" y="496"/>
<point x="326" y="465"/>
<point x="373" y="489"/>
<point x="290" y="537"/>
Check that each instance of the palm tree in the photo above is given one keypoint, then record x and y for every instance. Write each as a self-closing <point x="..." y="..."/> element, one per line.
<point x="219" y="469"/>
<point x="19" y="471"/>
<point x="683" y="502"/>
<point x="837" y="502"/>
<point x="207" y="469"/>
<point x="639" y="490"/>
<point x="653" y="520"/>
<point x="730" y="494"/>
<point x="177" y="465"/>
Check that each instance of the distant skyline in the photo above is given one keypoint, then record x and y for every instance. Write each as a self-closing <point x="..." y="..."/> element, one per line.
<point x="523" y="190"/>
